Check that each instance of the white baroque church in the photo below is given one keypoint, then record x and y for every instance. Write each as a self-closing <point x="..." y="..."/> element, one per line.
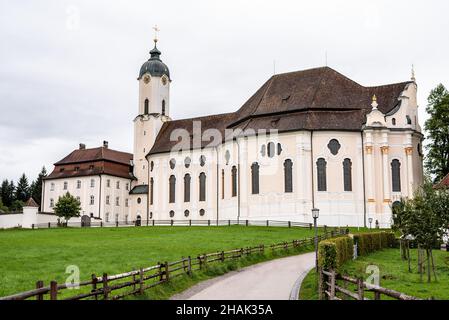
<point x="306" y="139"/>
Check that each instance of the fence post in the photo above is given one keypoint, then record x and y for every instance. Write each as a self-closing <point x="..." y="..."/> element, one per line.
<point x="377" y="295"/>
<point x="360" y="289"/>
<point x="208" y="222"/>
<point x="171" y="222"/>
<point x="153" y="223"/>
<point x="134" y="281"/>
<point x="200" y="262"/>
<point x="189" y="266"/>
<point x="94" y="285"/>
<point x="229" y="223"/>
<point x="321" y="285"/>
<point x="32" y="226"/>
<point x="268" y="223"/>
<point x="40" y="284"/>
<point x="222" y="256"/>
<point x="116" y="223"/>
<point x="310" y="226"/>
<point x="49" y="225"/>
<point x="101" y="224"/>
<point x="289" y="224"/>
<point x="105" y="286"/>
<point x="167" y="275"/>
<point x="332" y="288"/>
<point x="246" y="222"/>
<point x="53" y="290"/>
<point x="190" y="222"/>
<point x="141" y="281"/>
<point x="161" y="275"/>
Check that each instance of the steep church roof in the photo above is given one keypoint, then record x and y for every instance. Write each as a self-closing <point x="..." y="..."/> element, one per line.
<point x="313" y="99"/>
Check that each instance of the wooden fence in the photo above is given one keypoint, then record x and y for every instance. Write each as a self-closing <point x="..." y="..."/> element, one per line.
<point x="112" y="287"/>
<point x="172" y="222"/>
<point x="334" y="286"/>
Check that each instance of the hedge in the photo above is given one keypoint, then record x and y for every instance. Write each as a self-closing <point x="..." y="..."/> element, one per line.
<point x="373" y="241"/>
<point x="332" y="253"/>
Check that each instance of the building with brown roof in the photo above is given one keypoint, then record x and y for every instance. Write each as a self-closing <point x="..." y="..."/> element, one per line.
<point x="306" y="139"/>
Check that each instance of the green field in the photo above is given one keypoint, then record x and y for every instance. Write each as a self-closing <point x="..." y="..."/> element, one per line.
<point x="30" y="255"/>
<point x="394" y="274"/>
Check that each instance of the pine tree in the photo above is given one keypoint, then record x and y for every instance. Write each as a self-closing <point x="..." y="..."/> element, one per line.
<point x="437" y="126"/>
<point x="36" y="186"/>
<point x="23" y="189"/>
<point x="7" y="192"/>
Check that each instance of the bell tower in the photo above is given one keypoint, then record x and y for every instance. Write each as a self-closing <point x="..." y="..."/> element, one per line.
<point x="153" y="109"/>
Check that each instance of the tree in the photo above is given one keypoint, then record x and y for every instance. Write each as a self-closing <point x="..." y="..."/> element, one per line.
<point x="67" y="207"/>
<point x="2" y="206"/>
<point x="17" y="205"/>
<point x="426" y="219"/>
<point x="23" y="189"/>
<point x="437" y="127"/>
<point x="36" y="186"/>
<point x="7" y="192"/>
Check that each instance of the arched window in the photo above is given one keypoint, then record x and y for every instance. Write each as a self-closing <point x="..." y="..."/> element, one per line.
<point x="146" y="106"/>
<point x="151" y="190"/>
<point x="393" y="121"/>
<point x="255" y="178"/>
<point x="396" y="175"/>
<point x="172" y="163"/>
<point x="202" y="178"/>
<point x="271" y="149"/>
<point x="187" y="188"/>
<point x="234" y="181"/>
<point x="321" y="174"/>
<point x="347" y="174"/>
<point x="163" y="107"/>
<point x="171" y="195"/>
<point x="409" y="120"/>
<point x="288" y="177"/>
<point x="202" y="160"/>
<point x="187" y="162"/>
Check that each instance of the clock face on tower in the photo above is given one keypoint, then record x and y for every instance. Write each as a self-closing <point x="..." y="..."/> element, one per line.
<point x="146" y="79"/>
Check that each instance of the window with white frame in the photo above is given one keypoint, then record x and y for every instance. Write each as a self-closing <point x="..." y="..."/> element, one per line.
<point x="117" y="185"/>
<point x="117" y="201"/>
<point x="92" y="200"/>
<point x="127" y="186"/>
<point x="107" y="199"/>
<point x="92" y="183"/>
<point x="65" y="185"/>
<point x="108" y="183"/>
<point x="107" y="217"/>
<point x="52" y="203"/>
<point x="126" y="202"/>
<point x="52" y="186"/>
<point x="78" y="184"/>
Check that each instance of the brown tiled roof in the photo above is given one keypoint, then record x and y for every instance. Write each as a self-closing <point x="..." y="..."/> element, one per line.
<point x="95" y="161"/>
<point x="443" y="183"/>
<point x="96" y="154"/>
<point x="31" y="203"/>
<point x="314" y="99"/>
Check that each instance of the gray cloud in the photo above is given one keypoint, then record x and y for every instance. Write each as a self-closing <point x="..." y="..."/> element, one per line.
<point x="65" y="80"/>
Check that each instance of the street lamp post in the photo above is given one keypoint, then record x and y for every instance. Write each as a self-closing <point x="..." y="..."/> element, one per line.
<point x="315" y="214"/>
<point x="370" y="220"/>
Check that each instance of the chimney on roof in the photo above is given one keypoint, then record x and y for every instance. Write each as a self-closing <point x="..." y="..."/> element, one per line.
<point x="82" y="146"/>
<point x="105" y="144"/>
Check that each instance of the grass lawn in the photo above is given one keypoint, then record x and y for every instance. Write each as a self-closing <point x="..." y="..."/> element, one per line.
<point x="30" y="255"/>
<point x="393" y="275"/>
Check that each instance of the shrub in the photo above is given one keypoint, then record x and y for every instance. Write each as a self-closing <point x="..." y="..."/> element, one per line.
<point x="332" y="253"/>
<point x="373" y="241"/>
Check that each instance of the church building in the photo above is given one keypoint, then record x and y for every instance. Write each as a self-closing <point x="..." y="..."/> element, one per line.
<point x="306" y="139"/>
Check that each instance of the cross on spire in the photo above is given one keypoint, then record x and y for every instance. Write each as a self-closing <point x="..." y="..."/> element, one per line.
<point x="156" y="30"/>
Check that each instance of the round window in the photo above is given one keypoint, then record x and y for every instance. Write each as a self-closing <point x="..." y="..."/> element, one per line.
<point x="186" y="213"/>
<point x="202" y="212"/>
<point x="172" y="163"/>
<point x="139" y="200"/>
<point x="172" y="214"/>
<point x="187" y="162"/>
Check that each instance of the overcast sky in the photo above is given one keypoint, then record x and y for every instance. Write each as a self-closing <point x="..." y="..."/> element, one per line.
<point x="68" y="69"/>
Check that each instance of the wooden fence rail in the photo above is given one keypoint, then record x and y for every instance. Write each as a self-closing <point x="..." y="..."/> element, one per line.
<point x="109" y="287"/>
<point x="334" y="286"/>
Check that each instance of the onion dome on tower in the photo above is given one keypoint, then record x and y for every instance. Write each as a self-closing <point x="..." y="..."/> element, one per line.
<point x="154" y="66"/>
